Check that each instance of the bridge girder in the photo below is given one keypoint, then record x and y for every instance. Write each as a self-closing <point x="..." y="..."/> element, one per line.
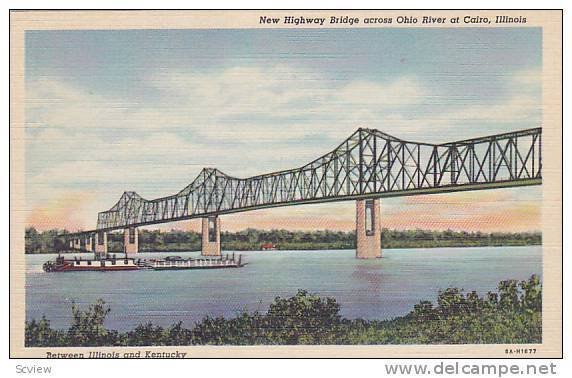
<point x="369" y="163"/>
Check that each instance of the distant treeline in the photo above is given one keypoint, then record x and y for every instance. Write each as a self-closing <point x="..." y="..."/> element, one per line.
<point x="252" y="239"/>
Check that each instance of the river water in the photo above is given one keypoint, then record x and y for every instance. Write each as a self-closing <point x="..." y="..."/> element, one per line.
<point x="370" y="289"/>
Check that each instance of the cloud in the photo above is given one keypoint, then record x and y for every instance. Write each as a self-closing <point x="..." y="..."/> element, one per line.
<point x="530" y="78"/>
<point x="493" y="210"/>
<point x="57" y="104"/>
<point x="243" y="120"/>
<point x="66" y="210"/>
<point x="519" y="108"/>
<point x="277" y="103"/>
<point x="365" y="94"/>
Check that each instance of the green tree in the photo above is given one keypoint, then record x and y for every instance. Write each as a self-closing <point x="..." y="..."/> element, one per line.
<point x="146" y="334"/>
<point x="303" y="318"/>
<point x="40" y="334"/>
<point x="87" y="328"/>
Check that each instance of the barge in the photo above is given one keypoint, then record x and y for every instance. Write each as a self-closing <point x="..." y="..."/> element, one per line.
<point x="127" y="263"/>
<point x="177" y="263"/>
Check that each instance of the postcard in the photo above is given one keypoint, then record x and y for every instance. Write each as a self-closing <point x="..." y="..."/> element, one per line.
<point x="327" y="183"/>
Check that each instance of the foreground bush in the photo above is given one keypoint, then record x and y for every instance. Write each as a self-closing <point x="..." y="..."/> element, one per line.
<point x="511" y="315"/>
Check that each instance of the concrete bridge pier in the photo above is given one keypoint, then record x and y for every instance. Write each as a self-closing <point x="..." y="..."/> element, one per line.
<point x="101" y="244"/>
<point x="131" y="241"/>
<point x="89" y="243"/>
<point x="77" y="243"/>
<point x="368" y="229"/>
<point x="211" y="236"/>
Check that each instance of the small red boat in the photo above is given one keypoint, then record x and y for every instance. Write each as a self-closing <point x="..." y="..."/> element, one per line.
<point x="268" y="247"/>
<point x="77" y="265"/>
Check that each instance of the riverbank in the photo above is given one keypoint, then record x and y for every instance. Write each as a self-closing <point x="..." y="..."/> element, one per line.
<point x="511" y="315"/>
<point x="252" y="239"/>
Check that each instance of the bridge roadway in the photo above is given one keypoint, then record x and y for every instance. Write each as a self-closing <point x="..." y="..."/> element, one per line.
<point x="367" y="166"/>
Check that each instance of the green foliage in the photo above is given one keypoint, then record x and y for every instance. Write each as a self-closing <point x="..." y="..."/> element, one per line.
<point x="468" y="318"/>
<point x="302" y="319"/>
<point x="40" y="334"/>
<point x="44" y="242"/>
<point x="252" y="239"/>
<point x="531" y="296"/>
<point x="87" y="327"/>
<point x="145" y="334"/>
<point x="457" y="318"/>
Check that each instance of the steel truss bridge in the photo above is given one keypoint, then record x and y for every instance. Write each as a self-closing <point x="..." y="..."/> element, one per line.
<point x="368" y="164"/>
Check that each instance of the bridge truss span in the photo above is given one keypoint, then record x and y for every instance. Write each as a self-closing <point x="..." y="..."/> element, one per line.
<point x="369" y="163"/>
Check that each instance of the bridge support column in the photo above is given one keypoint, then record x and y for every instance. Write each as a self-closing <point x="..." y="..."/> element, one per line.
<point x="89" y="243"/>
<point x="101" y="244"/>
<point x="368" y="229"/>
<point x="211" y="236"/>
<point x="77" y="243"/>
<point x="131" y="241"/>
<point x="71" y="243"/>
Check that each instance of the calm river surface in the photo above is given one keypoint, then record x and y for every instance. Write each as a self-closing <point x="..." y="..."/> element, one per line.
<point x="371" y="289"/>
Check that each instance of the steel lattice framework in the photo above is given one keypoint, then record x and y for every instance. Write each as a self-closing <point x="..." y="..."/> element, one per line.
<point x="369" y="163"/>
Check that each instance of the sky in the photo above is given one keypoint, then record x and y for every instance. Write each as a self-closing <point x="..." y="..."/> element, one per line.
<point x="145" y="110"/>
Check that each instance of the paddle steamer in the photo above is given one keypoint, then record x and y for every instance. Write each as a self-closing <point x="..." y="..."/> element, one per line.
<point x="78" y="264"/>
